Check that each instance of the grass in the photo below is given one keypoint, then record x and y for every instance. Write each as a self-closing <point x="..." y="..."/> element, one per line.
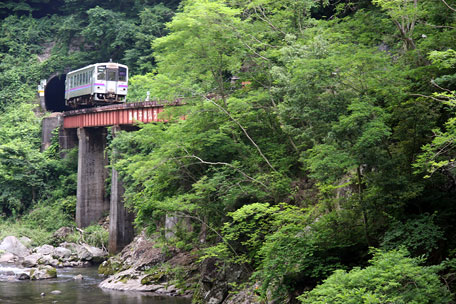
<point x="17" y="228"/>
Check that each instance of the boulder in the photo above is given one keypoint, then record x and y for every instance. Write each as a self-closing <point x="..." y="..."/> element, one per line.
<point x="83" y="253"/>
<point x="43" y="272"/>
<point x="8" y="258"/>
<point x="22" y="276"/>
<point x="79" y="277"/>
<point x="31" y="260"/>
<point x="129" y="280"/>
<point x="62" y="233"/>
<point x="80" y="251"/>
<point x="45" y="250"/>
<point x="98" y="255"/>
<point x="62" y="253"/>
<point x="12" y="245"/>
<point x="26" y="241"/>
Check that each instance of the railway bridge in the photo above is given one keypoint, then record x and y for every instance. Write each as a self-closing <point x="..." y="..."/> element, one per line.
<point x="87" y="129"/>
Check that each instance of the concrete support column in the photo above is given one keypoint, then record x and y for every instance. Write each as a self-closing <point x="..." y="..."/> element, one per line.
<point x="68" y="138"/>
<point x="91" y="203"/>
<point x="121" y="231"/>
<point x="48" y="125"/>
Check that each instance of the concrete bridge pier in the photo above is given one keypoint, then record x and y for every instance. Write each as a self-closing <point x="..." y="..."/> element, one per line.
<point x="92" y="203"/>
<point x="121" y="230"/>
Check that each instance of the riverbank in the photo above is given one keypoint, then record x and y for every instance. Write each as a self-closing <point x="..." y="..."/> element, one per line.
<point x="148" y="265"/>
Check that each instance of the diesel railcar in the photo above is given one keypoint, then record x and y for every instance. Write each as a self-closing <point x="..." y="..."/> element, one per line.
<point x="96" y="84"/>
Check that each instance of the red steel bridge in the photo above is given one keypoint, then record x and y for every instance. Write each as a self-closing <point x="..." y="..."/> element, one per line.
<point x="112" y="115"/>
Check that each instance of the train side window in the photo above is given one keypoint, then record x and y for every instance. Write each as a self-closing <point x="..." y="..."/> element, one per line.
<point x="85" y="77"/>
<point x="90" y="77"/>
<point x="122" y="74"/>
<point x="101" y="74"/>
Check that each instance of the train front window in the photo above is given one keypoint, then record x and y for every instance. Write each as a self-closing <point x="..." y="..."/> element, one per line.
<point x="122" y="74"/>
<point x="101" y="75"/>
<point x="112" y="75"/>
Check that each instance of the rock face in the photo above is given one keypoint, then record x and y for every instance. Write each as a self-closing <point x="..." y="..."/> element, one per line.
<point x="12" y="245"/>
<point x="139" y="268"/>
<point x="214" y="283"/>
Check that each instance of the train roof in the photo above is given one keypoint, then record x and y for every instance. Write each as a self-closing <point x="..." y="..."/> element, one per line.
<point x="97" y="64"/>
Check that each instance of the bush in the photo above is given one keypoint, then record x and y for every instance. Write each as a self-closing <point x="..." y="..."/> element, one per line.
<point x="50" y="217"/>
<point x="94" y="235"/>
<point x="393" y="277"/>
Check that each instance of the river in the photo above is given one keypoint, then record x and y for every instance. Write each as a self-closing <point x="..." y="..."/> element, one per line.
<point x="72" y="291"/>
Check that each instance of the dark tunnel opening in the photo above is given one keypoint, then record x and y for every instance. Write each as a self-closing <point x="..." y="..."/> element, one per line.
<point x="54" y="94"/>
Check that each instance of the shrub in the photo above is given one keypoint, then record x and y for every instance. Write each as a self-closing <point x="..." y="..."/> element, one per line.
<point x="392" y="277"/>
<point x="50" y="217"/>
<point x="94" y="235"/>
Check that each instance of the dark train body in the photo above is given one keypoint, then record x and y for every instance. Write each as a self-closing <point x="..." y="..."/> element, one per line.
<point x="96" y="84"/>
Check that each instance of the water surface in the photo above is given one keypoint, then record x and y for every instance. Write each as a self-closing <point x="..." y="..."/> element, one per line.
<point x="73" y="291"/>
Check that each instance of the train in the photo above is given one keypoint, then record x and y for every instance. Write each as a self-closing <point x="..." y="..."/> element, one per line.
<point x="96" y="84"/>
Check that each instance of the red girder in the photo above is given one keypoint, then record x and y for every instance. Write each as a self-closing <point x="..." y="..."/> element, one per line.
<point x="119" y="114"/>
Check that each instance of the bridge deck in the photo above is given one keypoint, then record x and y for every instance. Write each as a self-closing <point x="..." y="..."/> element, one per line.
<point x="119" y="114"/>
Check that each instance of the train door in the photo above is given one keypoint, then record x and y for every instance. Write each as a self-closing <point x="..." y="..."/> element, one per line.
<point x="111" y="83"/>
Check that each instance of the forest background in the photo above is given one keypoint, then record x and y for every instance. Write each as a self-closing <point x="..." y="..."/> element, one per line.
<point x="318" y="151"/>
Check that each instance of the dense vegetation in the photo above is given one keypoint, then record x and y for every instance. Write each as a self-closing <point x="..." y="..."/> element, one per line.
<point x="314" y="131"/>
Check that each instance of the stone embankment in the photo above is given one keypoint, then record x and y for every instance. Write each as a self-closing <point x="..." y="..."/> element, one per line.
<point x="41" y="262"/>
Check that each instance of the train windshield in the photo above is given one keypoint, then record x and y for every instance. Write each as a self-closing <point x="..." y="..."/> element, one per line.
<point x="112" y="75"/>
<point x="101" y="73"/>
<point x="122" y="74"/>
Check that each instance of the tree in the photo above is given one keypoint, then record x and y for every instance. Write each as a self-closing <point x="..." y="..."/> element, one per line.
<point x="202" y="51"/>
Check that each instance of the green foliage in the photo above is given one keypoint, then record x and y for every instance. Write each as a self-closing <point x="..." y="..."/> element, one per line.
<point x="51" y="217"/>
<point x="288" y="104"/>
<point x="420" y="236"/>
<point x="17" y="228"/>
<point x="21" y="163"/>
<point x="93" y="235"/>
<point x="305" y="250"/>
<point x="202" y="48"/>
<point x="392" y="277"/>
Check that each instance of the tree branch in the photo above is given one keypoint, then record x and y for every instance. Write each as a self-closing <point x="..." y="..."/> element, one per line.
<point x="225" y="164"/>
<point x="453" y="9"/>
<point x="243" y="130"/>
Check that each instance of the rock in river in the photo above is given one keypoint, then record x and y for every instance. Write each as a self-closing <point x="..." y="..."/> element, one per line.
<point x="43" y="272"/>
